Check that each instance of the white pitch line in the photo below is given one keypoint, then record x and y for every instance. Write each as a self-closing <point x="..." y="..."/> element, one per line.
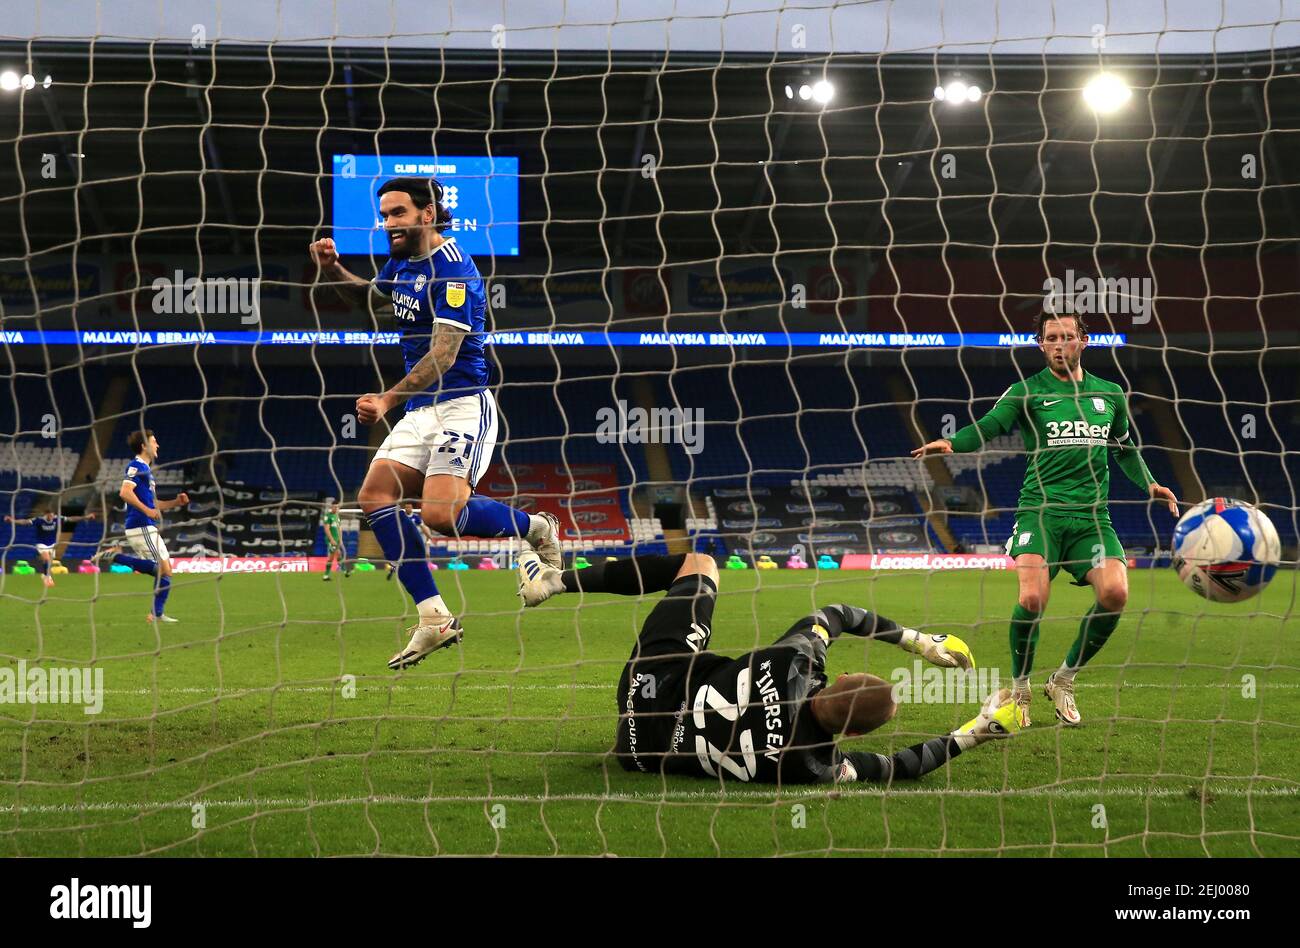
<point x="669" y="796"/>
<point x="361" y="686"/>
<point x="591" y="686"/>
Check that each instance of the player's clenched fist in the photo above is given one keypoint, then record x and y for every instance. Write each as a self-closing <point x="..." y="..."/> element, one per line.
<point x="370" y="408"/>
<point x="324" y="252"/>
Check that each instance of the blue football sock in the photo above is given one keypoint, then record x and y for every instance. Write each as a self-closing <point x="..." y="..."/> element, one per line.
<point x="402" y="544"/>
<point x="485" y="517"/>
<point x="160" y="596"/>
<point x="148" y="567"/>
<point x="42" y="566"/>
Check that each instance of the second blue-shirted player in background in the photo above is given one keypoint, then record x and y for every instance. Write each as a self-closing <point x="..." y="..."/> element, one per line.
<point x="442" y="445"/>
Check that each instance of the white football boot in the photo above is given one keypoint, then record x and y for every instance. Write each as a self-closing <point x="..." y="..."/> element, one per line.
<point x="537" y="581"/>
<point x="162" y="618"/>
<point x="104" y="558"/>
<point x="427" y="637"/>
<point x="1061" y="691"/>
<point x="547" y="545"/>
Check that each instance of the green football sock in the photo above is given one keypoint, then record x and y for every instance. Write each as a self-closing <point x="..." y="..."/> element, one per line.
<point x="1024" y="639"/>
<point x="1094" y="630"/>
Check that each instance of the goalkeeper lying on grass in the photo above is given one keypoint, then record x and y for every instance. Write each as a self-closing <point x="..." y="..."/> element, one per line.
<point x="768" y="716"/>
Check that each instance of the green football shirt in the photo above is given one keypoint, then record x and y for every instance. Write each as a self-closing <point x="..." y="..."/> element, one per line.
<point x="330" y="521"/>
<point x="1070" y="431"/>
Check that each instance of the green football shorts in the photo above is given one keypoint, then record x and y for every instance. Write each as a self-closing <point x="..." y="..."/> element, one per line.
<point x="1077" y="544"/>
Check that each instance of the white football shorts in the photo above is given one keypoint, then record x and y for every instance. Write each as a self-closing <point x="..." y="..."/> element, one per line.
<point x="44" y="548"/>
<point x="453" y="437"/>
<point x="147" y="543"/>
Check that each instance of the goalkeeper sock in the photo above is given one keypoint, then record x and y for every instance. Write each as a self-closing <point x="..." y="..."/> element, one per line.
<point x="485" y="517"/>
<point x="631" y="577"/>
<point x="1024" y="639"/>
<point x="402" y="544"/>
<point x="148" y="567"/>
<point x="160" y="595"/>
<point x="1094" y="630"/>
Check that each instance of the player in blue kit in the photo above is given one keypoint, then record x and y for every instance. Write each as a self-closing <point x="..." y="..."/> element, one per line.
<point x="47" y="529"/>
<point x="442" y="445"/>
<point x="143" y="514"/>
<point x="411" y="514"/>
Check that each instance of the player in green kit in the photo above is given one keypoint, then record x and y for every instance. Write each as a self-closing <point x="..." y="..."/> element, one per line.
<point x="334" y="537"/>
<point x="1072" y="422"/>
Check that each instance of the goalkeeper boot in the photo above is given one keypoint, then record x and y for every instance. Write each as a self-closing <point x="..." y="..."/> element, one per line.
<point x="431" y="634"/>
<point x="537" y="581"/>
<point x="999" y="717"/>
<point x="946" y="651"/>
<point x="1021" y="696"/>
<point x="1061" y="690"/>
<point x="547" y="543"/>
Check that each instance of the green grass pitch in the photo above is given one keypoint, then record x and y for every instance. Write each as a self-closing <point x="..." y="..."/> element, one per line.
<point x="499" y="746"/>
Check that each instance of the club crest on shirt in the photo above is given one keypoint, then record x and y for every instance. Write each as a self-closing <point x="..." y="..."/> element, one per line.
<point x="1099" y="405"/>
<point x="455" y="294"/>
<point x="419" y="282"/>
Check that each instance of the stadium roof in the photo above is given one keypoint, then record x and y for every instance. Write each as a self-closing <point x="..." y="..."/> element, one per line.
<point x="228" y="148"/>
<point x="999" y="27"/>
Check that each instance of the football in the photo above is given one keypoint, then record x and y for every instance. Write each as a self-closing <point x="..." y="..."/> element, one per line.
<point x="1226" y="550"/>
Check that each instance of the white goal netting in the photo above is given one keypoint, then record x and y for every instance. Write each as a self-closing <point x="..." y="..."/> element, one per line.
<point x="740" y="260"/>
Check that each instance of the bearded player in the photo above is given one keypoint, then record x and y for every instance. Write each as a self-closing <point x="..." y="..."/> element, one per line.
<point x="442" y="445"/>
<point x="1072" y="422"/>
<point x="768" y="716"/>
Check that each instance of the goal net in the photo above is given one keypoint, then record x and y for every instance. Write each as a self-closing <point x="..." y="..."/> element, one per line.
<point x="739" y="262"/>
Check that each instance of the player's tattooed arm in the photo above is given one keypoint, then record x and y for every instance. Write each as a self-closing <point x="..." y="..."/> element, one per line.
<point x="354" y="290"/>
<point x="440" y="357"/>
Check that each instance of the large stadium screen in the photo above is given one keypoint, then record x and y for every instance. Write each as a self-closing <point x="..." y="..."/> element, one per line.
<point x="481" y="192"/>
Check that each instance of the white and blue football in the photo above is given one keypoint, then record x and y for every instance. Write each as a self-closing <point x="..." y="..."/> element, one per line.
<point x="1226" y="550"/>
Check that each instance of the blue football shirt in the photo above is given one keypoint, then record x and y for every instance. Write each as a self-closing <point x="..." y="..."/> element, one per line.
<point x="47" y="531"/>
<point x="442" y="287"/>
<point x="139" y="474"/>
